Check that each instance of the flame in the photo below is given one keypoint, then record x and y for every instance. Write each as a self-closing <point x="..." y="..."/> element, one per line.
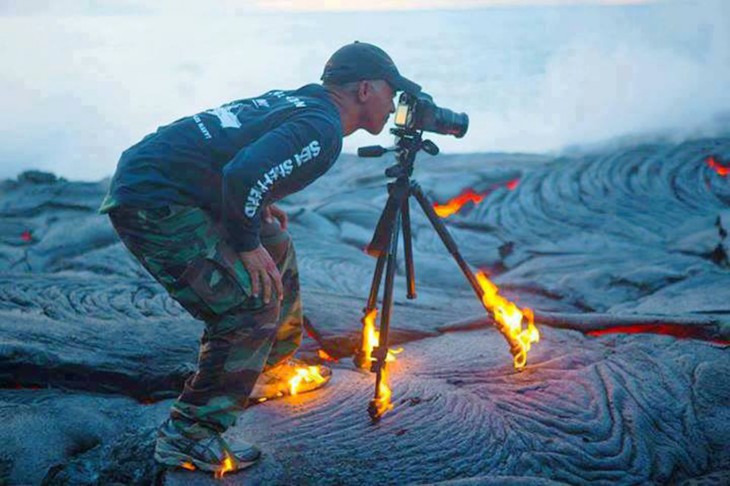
<point x="307" y="375"/>
<point x="188" y="465"/>
<point x="512" y="184"/>
<point x="228" y="465"/>
<point x="324" y="356"/>
<point x="382" y="403"/>
<point x="510" y="320"/>
<point x="26" y="236"/>
<point x="722" y="170"/>
<point x="371" y="338"/>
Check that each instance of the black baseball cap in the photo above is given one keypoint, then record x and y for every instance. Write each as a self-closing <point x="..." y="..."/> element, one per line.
<point x="360" y="60"/>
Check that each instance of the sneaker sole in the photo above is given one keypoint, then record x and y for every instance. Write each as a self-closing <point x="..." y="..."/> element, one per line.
<point x="173" y="459"/>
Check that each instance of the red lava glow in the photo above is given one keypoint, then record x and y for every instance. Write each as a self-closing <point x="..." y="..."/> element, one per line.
<point x="721" y="169"/>
<point x="26" y="236"/>
<point x="455" y="204"/>
<point x="469" y="196"/>
<point x="675" y="330"/>
<point x="18" y="386"/>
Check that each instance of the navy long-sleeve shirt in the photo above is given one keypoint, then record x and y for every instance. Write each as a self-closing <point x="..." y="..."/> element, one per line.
<point x="234" y="159"/>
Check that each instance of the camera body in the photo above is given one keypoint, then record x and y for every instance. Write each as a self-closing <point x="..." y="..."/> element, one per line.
<point x="419" y="112"/>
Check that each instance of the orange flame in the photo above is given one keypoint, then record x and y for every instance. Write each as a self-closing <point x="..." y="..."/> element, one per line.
<point x="371" y="338"/>
<point x="324" y="356"/>
<point x="304" y="375"/>
<point x="188" y="465"/>
<point x="382" y="402"/>
<point x="722" y="170"/>
<point x="510" y="320"/>
<point x="227" y="466"/>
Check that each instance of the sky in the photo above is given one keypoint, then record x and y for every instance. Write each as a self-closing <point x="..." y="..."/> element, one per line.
<point x="121" y="7"/>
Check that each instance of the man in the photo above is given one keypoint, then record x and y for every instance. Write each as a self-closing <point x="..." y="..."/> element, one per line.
<point x="193" y="202"/>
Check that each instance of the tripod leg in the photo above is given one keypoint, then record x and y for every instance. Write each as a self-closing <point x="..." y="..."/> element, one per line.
<point x="408" y="250"/>
<point x="519" y="339"/>
<point x="375" y="286"/>
<point x="362" y="356"/>
<point x="381" y="402"/>
<point x="445" y="236"/>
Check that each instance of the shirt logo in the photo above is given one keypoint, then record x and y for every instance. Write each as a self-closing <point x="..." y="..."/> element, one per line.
<point x="280" y="171"/>
<point x="226" y="116"/>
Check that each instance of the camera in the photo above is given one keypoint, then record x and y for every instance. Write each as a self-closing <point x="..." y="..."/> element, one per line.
<point x="419" y="112"/>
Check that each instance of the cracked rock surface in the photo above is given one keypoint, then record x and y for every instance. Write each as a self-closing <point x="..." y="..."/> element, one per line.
<point x="609" y="248"/>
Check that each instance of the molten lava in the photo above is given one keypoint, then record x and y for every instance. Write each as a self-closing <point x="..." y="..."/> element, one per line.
<point x="512" y="184"/>
<point x="722" y="170"/>
<point x="469" y="196"/>
<point x="455" y="204"/>
<point x="675" y="330"/>
<point x="516" y="325"/>
<point x="310" y="374"/>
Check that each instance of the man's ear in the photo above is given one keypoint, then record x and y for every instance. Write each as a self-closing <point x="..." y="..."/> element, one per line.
<point x="363" y="91"/>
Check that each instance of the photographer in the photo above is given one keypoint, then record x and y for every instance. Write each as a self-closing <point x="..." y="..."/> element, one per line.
<point x="193" y="202"/>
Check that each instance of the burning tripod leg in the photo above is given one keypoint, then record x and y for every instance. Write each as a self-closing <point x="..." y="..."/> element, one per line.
<point x="384" y="246"/>
<point x="381" y="402"/>
<point x="507" y="316"/>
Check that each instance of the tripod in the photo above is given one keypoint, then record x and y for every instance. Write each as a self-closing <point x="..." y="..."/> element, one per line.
<point x="384" y="246"/>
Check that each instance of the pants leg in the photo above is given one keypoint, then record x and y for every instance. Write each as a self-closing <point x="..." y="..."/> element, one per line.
<point x="289" y="333"/>
<point x="184" y="250"/>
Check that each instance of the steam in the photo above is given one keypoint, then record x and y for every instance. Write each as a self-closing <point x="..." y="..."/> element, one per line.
<point x="76" y="91"/>
<point x="596" y="89"/>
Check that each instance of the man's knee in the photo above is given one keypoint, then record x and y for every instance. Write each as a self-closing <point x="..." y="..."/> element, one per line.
<point x="276" y="241"/>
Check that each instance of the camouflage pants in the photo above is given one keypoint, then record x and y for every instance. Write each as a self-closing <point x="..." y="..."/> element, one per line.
<point x="185" y="250"/>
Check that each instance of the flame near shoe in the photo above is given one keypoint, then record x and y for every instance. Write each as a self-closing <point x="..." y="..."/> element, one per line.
<point x="292" y="377"/>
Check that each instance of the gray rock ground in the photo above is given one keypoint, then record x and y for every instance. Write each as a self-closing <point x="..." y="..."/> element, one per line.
<point x="91" y="348"/>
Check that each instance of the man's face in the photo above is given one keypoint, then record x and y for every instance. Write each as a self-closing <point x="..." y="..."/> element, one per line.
<point x="378" y="105"/>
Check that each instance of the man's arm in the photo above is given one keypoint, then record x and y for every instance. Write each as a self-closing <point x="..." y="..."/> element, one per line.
<point x="282" y="161"/>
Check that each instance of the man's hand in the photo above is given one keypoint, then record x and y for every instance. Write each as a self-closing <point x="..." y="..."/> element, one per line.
<point x="263" y="271"/>
<point x="271" y="212"/>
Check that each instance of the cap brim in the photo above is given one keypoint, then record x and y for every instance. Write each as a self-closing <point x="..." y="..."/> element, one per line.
<point x="403" y="84"/>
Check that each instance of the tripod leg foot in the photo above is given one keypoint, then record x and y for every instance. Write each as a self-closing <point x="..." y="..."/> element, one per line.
<point x="373" y="411"/>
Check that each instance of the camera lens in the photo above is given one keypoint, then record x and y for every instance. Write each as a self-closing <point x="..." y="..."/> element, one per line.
<point x="449" y="123"/>
<point x="445" y="121"/>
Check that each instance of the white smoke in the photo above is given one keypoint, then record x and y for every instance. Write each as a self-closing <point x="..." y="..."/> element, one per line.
<point x="601" y="87"/>
<point x="77" y="90"/>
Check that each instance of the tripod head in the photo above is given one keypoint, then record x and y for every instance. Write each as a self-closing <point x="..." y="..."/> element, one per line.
<point x="407" y="144"/>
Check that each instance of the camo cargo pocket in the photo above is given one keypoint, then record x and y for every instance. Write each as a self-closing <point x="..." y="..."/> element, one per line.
<point x="219" y="279"/>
